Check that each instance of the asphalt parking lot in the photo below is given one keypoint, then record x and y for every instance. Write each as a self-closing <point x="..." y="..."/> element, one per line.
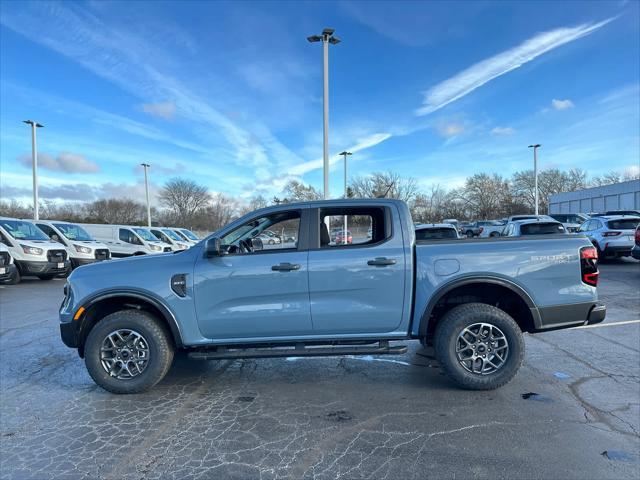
<point x="573" y="411"/>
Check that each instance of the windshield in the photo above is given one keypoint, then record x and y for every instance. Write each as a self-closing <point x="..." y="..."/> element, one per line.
<point x="190" y="235"/>
<point x="145" y="234"/>
<point x="436" y="233"/>
<point x="23" y="230"/>
<point x="171" y="234"/>
<point x="541" y="228"/>
<point x="73" y="232"/>
<point x="624" y="224"/>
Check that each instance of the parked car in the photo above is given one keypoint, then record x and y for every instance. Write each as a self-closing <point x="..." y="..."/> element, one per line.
<point x="493" y="228"/>
<point x="535" y="226"/>
<point x="451" y="221"/>
<point x="633" y="213"/>
<point x="170" y="237"/>
<point x="222" y="300"/>
<point x="32" y="251"/>
<point x="571" y="221"/>
<point x="474" y="229"/>
<point x="613" y="236"/>
<point x="124" y="240"/>
<point x="342" y="238"/>
<point x="635" y="251"/>
<point x="436" y="231"/>
<point x="187" y="235"/>
<point x="8" y="270"/>
<point x="82" y="249"/>
<point x="514" y="218"/>
<point x="269" y="238"/>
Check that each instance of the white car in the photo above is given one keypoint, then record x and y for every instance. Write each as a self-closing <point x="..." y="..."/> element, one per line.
<point x="32" y="251"/>
<point x="186" y="235"/>
<point x="172" y="238"/>
<point x="8" y="270"/>
<point x="81" y="248"/>
<point x="124" y="241"/>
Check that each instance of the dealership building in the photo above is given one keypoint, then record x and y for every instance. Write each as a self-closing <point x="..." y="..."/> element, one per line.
<point x="618" y="196"/>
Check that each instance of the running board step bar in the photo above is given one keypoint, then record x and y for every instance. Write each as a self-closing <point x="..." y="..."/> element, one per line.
<point x="299" y="350"/>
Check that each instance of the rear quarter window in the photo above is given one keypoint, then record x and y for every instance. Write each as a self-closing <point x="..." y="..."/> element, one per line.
<point x="541" y="228"/>
<point x="624" y="224"/>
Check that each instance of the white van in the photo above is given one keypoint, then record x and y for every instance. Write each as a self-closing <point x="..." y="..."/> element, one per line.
<point x="8" y="270"/>
<point x="172" y="238"/>
<point x="81" y="248"/>
<point x="124" y="241"/>
<point x="187" y="235"/>
<point x="32" y="251"/>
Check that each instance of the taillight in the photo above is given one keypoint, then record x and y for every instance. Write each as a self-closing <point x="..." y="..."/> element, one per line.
<point x="611" y="234"/>
<point x="589" y="265"/>
<point x="638" y="236"/>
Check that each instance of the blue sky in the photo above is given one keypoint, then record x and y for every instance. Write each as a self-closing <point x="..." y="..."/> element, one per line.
<point x="230" y="94"/>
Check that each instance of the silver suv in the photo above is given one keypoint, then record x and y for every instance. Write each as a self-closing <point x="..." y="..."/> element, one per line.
<point x="611" y="235"/>
<point x="534" y="226"/>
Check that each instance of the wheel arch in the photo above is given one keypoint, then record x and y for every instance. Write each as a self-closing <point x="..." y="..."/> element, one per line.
<point x="495" y="291"/>
<point x="105" y="303"/>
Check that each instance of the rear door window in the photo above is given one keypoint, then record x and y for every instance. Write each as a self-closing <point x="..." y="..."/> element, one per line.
<point x="541" y="228"/>
<point x="352" y="226"/>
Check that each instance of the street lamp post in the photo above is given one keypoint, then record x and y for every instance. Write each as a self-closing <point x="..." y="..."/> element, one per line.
<point x="326" y="38"/>
<point x="34" y="163"/>
<point x="535" y="173"/>
<point x="345" y="154"/>
<point x="146" y="188"/>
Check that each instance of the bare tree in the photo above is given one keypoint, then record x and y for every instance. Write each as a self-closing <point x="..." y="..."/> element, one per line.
<point x="384" y="185"/>
<point x="115" y="211"/>
<point x="426" y="207"/>
<point x="14" y="209"/>
<point x="295" y="191"/>
<point x="184" y="198"/>
<point x="485" y="194"/>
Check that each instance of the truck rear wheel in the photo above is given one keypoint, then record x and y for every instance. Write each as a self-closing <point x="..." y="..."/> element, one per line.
<point x="128" y="352"/>
<point x="479" y="346"/>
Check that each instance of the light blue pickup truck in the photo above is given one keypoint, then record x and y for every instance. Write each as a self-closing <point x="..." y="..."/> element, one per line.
<point x="232" y="296"/>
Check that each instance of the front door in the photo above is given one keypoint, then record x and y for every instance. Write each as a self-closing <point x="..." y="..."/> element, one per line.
<point x="357" y="272"/>
<point x="260" y="289"/>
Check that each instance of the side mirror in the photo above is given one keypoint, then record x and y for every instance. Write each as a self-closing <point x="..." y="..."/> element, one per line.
<point x="213" y="247"/>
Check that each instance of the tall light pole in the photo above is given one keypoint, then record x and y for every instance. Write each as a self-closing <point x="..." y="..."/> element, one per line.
<point x="535" y="172"/>
<point x="34" y="163"/>
<point x="326" y="38"/>
<point x="146" y="188"/>
<point x="345" y="154"/>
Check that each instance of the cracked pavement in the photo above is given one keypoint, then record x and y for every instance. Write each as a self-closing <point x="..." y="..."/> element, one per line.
<point x="324" y="418"/>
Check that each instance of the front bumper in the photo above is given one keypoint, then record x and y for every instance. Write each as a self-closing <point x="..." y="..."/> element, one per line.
<point x="78" y="262"/>
<point x="566" y="316"/>
<point x="42" y="268"/>
<point x="10" y="272"/>
<point x="69" y="333"/>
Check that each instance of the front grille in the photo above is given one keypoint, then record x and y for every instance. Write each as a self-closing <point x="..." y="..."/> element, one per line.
<point x="102" y="254"/>
<point x="4" y="259"/>
<point x="56" y="256"/>
<point x="167" y="249"/>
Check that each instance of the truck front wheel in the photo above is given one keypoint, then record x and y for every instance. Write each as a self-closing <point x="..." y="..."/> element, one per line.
<point x="479" y="346"/>
<point x="128" y="352"/>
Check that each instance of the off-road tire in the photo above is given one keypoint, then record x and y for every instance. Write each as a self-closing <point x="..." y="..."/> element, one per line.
<point x="446" y="337"/>
<point x="161" y="351"/>
<point x="15" y="280"/>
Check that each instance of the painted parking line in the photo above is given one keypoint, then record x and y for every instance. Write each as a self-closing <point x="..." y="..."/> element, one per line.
<point x="610" y="324"/>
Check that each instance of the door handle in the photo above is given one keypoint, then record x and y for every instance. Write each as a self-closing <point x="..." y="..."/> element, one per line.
<point x="381" y="262"/>
<point x="285" y="267"/>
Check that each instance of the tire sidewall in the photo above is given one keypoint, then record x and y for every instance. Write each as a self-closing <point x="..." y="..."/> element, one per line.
<point x="159" y="354"/>
<point x="453" y="324"/>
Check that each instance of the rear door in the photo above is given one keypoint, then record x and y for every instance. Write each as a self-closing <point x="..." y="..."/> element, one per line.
<point x="356" y="287"/>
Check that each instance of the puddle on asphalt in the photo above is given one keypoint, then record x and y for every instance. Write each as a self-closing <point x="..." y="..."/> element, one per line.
<point x="339" y="416"/>
<point x="619" y="456"/>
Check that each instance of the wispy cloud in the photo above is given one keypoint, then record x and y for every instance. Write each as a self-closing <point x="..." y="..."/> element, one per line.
<point x="450" y="130"/>
<point x="65" y="162"/>
<point x="561" y="104"/>
<point x="477" y="75"/>
<point x="502" y="131"/>
<point x="164" y="110"/>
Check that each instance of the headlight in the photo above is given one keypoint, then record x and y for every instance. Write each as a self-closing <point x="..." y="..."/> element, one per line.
<point x="81" y="249"/>
<point x="31" y="250"/>
<point x="182" y="246"/>
<point x="156" y="248"/>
